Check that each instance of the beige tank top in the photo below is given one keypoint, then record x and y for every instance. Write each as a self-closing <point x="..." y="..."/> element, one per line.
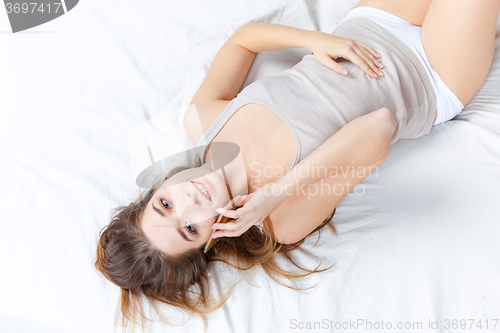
<point x="315" y="102"/>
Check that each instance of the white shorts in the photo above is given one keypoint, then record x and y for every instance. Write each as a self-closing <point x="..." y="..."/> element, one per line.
<point x="447" y="103"/>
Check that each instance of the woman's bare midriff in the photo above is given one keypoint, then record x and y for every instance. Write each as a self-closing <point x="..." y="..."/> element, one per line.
<point x="266" y="143"/>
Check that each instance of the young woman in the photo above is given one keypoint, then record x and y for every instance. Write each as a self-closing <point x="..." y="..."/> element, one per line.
<point x="297" y="133"/>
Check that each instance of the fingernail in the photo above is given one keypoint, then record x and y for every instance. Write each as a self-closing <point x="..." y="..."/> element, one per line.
<point x="380" y="65"/>
<point x="215" y="236"/>
<point x="343" y="71"/>
<point x="380" y="72"/>
<point x="377" y="55"/>
<point x="221" y="210"/>
<point x="375" y="75"/>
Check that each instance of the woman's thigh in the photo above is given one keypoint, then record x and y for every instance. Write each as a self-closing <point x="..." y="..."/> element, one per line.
<point x="458" y="37"/>
<point x="413" y="11"/>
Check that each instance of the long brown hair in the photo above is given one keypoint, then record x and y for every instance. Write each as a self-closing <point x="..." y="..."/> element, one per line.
<point x="126" y="257"/>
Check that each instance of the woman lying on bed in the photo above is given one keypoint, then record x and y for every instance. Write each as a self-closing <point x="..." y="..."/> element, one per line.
<point x="328" y="129"/>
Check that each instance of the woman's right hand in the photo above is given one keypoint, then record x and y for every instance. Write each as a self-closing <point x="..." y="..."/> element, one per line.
<point x="327" y="48"/>
<point x="256" y="207"/>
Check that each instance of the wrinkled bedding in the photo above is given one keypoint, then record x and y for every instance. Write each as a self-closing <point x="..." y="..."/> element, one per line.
<point x="417" y="240"/>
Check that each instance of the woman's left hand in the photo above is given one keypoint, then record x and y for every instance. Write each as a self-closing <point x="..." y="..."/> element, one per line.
<point x="327" y="48"/>
<point x="256" y="207"/>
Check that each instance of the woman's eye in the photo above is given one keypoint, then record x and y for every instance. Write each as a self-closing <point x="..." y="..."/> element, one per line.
<point x="190" y="228"/>
<point x="165" y="204"/>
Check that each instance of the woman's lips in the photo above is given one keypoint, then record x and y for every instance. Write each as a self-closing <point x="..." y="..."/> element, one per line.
<point x="207" y="186"/>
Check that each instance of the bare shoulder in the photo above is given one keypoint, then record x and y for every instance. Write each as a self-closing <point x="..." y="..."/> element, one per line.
<point x="199" y="117"/>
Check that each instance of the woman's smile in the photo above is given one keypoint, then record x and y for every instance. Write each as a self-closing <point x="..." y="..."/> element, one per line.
<point x="203" y="187"/>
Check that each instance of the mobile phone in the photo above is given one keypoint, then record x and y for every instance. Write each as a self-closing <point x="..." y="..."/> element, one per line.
<point x="232" y="205"/>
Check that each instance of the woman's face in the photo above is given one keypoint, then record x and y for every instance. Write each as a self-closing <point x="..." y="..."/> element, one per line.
<point x="180" y="215"/>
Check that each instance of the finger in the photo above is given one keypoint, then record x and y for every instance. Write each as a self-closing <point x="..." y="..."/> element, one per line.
<point x="360" y="60"/>
<point x="356" y="59"/>
<point x="235" y="228"/>
<point x="227" y="233"/>
<point x="230" y="226"/>
<point x="370" y="55"/>
<point x="234" y="214"/>
<point x="220" y="234"/>
<point x="374" y="71"/>
<point x="244" y="199"/>
<point x="326" y="61"/>
<point x="372" y="51"/>
<point x="219" y="226"/>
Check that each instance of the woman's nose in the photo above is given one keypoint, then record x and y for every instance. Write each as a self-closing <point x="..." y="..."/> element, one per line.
<point x="192" y="199"/>
<point x="192" y="208"/>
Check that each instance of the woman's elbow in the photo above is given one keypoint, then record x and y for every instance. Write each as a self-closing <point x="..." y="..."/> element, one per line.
<point x="280" y="233"/>
<point x="283" y="239"/>
<point x="375" y="131"/>
<point x="385" y="120"/>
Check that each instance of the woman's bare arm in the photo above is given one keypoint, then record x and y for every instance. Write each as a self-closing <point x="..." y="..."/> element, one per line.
<point x="326" y="47"/>
<point x="259" y="37"/>
<point x="232" y="63"/>
<point x="297" y="216"/>
<point x="361" y="145"/>
<point x="361" y="142"/>
<point x="230" y="67"/>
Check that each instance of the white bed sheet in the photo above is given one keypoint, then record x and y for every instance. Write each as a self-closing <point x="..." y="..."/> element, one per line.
<point x="417" y="240"/>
